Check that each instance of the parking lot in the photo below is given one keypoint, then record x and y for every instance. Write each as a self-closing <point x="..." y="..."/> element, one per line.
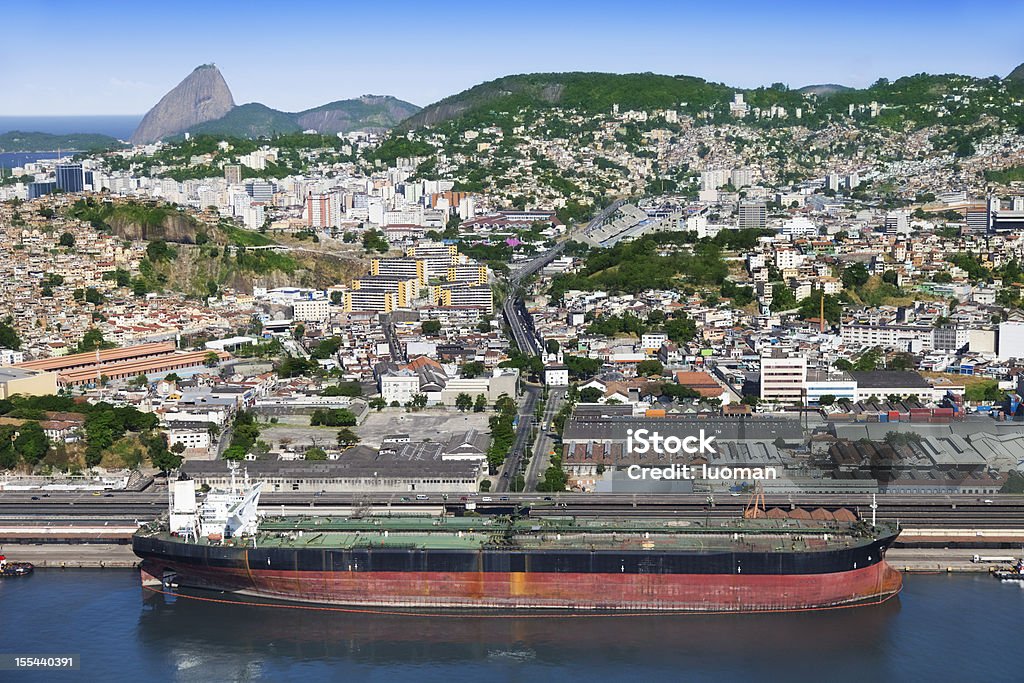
<point x="428" y="425"/>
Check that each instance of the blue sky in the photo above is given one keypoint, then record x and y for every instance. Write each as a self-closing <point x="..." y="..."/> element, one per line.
<point x="100" y="57"/>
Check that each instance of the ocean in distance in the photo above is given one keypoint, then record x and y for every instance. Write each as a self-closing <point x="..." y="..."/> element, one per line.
<point x="120" y="127"/>
<point x="941" y="628"/>
<point x="9" y="160"/>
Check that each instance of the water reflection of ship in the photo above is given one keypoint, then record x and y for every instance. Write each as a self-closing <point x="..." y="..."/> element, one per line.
<point x="295" y="631"/>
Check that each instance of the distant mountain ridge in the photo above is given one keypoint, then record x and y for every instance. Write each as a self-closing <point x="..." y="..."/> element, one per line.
<point x="202" y="103"/>
<point x="591" y="93"/>
<point x="587" y="90"/>
<point x="21" y="141"/>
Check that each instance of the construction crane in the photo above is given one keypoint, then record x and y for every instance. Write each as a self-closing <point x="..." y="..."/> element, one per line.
<point x="755" y="506"/>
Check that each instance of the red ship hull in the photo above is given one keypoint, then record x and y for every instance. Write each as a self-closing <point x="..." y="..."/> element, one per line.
<point x="518" y="590"/>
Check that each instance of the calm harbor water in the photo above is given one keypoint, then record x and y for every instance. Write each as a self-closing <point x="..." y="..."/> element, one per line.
<point x="9" y="160"/>
<point x="942" y="628"/>
<point x="118" y="126"/>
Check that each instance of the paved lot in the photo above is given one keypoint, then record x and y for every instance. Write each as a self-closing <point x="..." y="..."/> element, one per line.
<point x="435" y="425"/>
<point x="275" y="435"/>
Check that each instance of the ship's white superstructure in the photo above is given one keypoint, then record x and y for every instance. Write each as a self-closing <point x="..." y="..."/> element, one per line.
<point x="223" y="513"/>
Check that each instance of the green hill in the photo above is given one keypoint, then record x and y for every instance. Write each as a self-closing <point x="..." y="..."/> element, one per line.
<point x="1017" y="74"/>
<point x="823" y="90"/>
<point x="369" y="112"/>
<point x="254" y="120"/>
<point x="582" y="90"/>
<point x="20" y="141"/>
<point x="911" y="99"/>
<point x="249" y="121"/>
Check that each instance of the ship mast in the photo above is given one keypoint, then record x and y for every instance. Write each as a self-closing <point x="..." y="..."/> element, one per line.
<point x="874" y="508"/>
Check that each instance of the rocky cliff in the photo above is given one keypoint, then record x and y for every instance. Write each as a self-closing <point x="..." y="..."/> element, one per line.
<point x="172" y="227"/>
<point x="203" y="96"/>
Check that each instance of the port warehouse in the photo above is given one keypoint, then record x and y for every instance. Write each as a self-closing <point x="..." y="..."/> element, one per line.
<point x="969" y="456"/>
<point x="82" y="369"/>
<point x="420" y="466"/>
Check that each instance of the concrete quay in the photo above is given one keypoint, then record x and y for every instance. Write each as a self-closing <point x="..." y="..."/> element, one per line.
<point x="115" y="555"/>
<point x="72" y="555"/>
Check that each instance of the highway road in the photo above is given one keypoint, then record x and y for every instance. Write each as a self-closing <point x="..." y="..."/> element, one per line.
<point x="1004" y="512"/>
<point x="515" y="313"/>
<point x="544" y="444"/>
<point x="512" y="465"/>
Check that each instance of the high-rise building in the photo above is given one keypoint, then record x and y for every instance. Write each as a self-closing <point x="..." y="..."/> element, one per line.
<point x="783" y="375"/>
<point x="752" y="214"/>
<point x="979" y="218"/>
<point x="714" y="178"/>
<point x="318" y="211"/>
<point x="896" y="223"/>
<point x="261" y="190"/>
<point x="41" y="188"/>
<point x="70" y="178"/>
<point x="233" y="173"/>
<point x="742" y="177"/>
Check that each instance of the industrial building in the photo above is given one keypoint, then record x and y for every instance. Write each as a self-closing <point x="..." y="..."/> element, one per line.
<point x="26" y="382"/>
<point x="420" y="466"/>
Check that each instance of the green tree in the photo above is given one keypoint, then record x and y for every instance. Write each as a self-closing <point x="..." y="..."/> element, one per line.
<point x="31" y="442"/>
<point x="551" y="346"/>
<point x="649" y="368"/>
<point x="373" y="240"/>
<point x="485" y="485"/>
<point x="378" y="403"/>
<point x="332" y="417"/>
<point x="93" y="296"/>
<point x="9" y="339"/>
<point x="472" y="369"/>
<point x="211" y="359"/>
<point x="234" y="453"/>
<point x="463" y="402"/>
<point x="431" y="328"/>
<point x="316" y="453"/>
<point x="93" y="340"/>
<point x="346" y="437"/>
<point x="783" y="298"/>
<point x="855" y="275"/>
<point x="479" y="403"/>
<point x="868" y="360"/>
<point x="162" y="457"/>
<point x="8" y="455"/>
<point x="67" y="240"/>
<point x="811" y="307"/>
<point x="591" y="395"/>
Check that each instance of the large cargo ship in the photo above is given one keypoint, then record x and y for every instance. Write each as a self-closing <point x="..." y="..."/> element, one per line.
<point x="516" y="562"/>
